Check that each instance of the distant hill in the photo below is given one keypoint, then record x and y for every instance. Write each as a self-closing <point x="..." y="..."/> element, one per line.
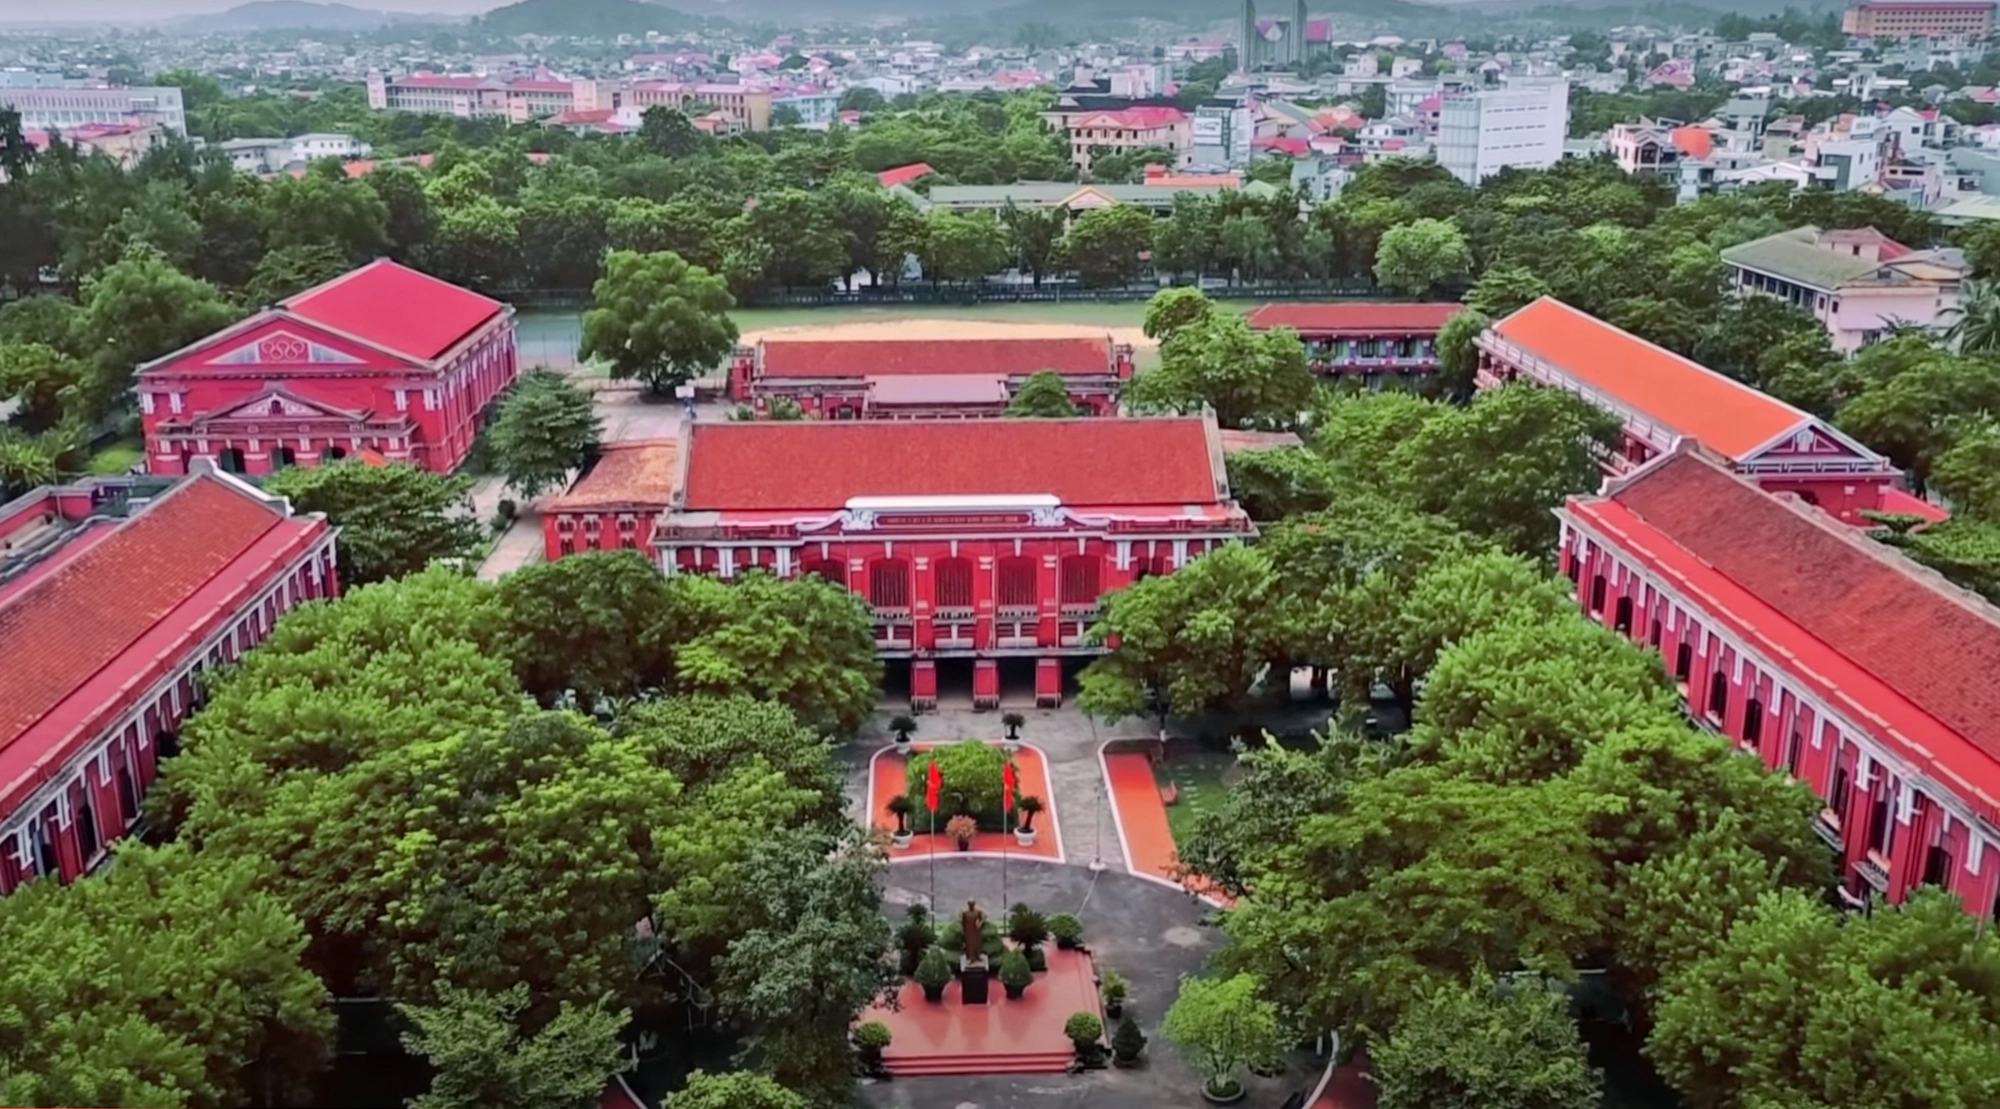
<point x="584" y="18"/>
<point x="286" y="15"/>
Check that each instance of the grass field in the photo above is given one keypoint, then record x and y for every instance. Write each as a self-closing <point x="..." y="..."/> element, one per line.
<point x="118" y="458"/>
<point x="1201" y="773"/>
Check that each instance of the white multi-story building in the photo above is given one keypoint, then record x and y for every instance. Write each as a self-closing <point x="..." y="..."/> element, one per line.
<point x="65" y="108"/>
<point x="1523" y="124"/>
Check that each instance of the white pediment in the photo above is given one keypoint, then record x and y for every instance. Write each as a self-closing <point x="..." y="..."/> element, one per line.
<point x="283" y="348"/>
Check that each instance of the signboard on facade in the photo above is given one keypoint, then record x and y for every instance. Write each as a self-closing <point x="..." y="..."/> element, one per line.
<point x="1208" y="129"/>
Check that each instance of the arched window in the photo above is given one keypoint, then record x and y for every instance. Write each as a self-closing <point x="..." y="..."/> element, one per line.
<point x="1622" y="619"/>
<point x="1017" y="582"/>
<point x="283" y="457"/>
<point x="230" y="461"/>
<point x="954" y="583"/>
<point x="1753" y="722"/>
<point x="1718" y="696"/>
<point x="1080" y="579"/>
<point x="1597" y="593"/>
<point x="1683" y="661"/>
<point x="889" y="583"/>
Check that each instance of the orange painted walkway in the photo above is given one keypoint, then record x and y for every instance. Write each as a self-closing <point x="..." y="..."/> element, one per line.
<point x="1142" y="821"/>
<point x="1350" y="1088"/>
<point x="1000" y="1037"/>
<point x="891" y="777"/>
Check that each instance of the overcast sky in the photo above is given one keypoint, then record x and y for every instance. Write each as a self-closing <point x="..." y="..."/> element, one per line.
<point x="69" y="11"/>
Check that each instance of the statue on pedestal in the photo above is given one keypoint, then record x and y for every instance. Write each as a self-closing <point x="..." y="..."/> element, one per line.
<point x="974" y="923"/>
<point x="974" y="975"/>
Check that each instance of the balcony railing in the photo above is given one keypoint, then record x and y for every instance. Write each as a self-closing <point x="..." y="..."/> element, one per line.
<point x="1020" y="612"/>
<point x="892" y="612"/>
<point x="1828" y="828"/>
<point x="1874" y="873"/>
<point x="954" y="612"/>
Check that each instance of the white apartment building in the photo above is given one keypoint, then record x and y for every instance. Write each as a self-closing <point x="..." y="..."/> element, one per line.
<point x="1522" y="124"/>
<point x="66" y="108"/>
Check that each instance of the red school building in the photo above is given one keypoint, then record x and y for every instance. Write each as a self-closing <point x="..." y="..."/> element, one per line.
<point x="1364" y="338"/>
<point x="856" y="379"/>
<point x="1662" y="399"/>
<point x="975" y="544"/>
<point x="1818" y="650"/>
<point x="383" y="359"/>
<point x="111" y="607"/>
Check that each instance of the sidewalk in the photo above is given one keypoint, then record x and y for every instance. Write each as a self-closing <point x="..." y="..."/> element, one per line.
<point x="520" y="546"/>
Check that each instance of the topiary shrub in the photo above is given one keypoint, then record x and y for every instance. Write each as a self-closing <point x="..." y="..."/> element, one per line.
<point x="934" y="973"/>
<point x="869" y="1040"/>
<point x="971" y="775"/>
<point x="1015" y="974"/>
<point x="1083" y="1030"/>
<point x="1067" y="930"/>
<point x="1127" y="1042"/>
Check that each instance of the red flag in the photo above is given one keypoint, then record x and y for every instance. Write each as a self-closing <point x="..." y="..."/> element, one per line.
<point x="1007" y="781"/>
<point x="932" y="784"/>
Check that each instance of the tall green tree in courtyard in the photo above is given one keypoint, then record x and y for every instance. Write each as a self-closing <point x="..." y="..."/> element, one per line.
<point x="1044" y="396"/>
<point x="1415" y="258"/>
<point x="1173" y="309"/>
<point x="1458" y="357"/>
<point x="1103" y="245"/>
<point x="1483" y="1046"/>
<point x="393" y="519"/>
<point x="1249" y="378"/>
<point x="805" y="644"/>
<point x="658" y="319"/>
<point x="480" y="1058"/>
<point x="597" y="625"/>
<point x="44" y="381"/>
<point x="734" y="1090"/>
<point x="546" y="429"/>
<point x="1221" y="1025"/>
<point x="1183" y="642"/>
<point x="140" y="309"/>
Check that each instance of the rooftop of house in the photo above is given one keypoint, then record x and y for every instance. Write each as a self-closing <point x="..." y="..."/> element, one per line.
<point x="904" y="175"/>
<point x="396" y="307"/>
<point x="1831" y="260"/>
<point x="1354" y="317"/>
<point x="1651" y="381"/>
<point x="637" y="473"/>
<point x="819" y="465"/>
<point x="93" y="615"/>
<point x="988" y="357"/>
<point x="1896" y="647"/>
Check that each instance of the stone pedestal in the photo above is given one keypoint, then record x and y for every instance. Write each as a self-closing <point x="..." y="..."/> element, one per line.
<point x="975" y="980"/>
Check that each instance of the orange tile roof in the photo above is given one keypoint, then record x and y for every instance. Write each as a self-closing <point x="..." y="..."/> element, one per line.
<point x="859" y="358"/>
<point x="77" y="620"/>
<point x="638" y="472"/>
<point x="1358" y="317"/>
<point x="820" y="465"/>
<point x="1687" y="397"/>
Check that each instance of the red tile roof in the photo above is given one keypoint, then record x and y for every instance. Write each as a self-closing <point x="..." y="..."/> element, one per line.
<point x="894" y="357"/>
<point x="1685" y="396"/>
<point x="1354" y="317"/>
<point x="1136" y="118"/>
<point x="820" y="465"/>
<point x="1901" y="652"/>
<point x="395" y="307"/>
<point x="903" y="175"/>
<point x="636" y="472"/>
<point x="78" y="619"/>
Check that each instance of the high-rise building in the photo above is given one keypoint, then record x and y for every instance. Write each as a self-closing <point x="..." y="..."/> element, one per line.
<point x="1250" y="38"/>
<point x="1522" y="124"/>
<point x="1971" y="19"/>
<point x="1296" y="38"/>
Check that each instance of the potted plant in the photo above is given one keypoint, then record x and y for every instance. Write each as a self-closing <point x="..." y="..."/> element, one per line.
<point x="1084" y="1030"/>
<point x="1115" y="990"/>
<point x="1029" y="804"/>
<point x="1066" y="930"/>
<point x="1220" y="1025"/>
<point x="1013" y="720"/>
<point x="903" y="724"/>
<point x="961" y="829"/>
<point x="914" y="938"/>
<point x="869" y="1040"/>
<point x="1127" y="1043"/>
<point x="1015" y="974"/>
<point x="901" y="806"/>
<point x="933" y="973"/>
<point x="1029" y="930"/>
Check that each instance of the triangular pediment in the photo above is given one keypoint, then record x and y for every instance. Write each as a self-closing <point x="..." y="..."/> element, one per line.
<point x="275" y="342"/>
<point x="275" y="403"/>
<point x="1814" y="442"/>
<point x="1088" y="198"/>
<point x="284" y="348"/>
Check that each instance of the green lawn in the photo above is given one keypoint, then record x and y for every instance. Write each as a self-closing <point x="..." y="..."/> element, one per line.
<point x="1200" y="774"/>
<point x="118" y="458"/>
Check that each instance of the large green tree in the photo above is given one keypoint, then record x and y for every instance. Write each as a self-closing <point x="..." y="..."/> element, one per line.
<point x="596" y="625"/>
<point x="1044" y="396"/>
<point x="1415" y="258"/>
<point x="1181" y="642"/>
<point x="546" y="429"/>
<point x="803" y="643"/>
<point x="1482" y="1046"/>
<point x="658" y="319"/>
<point x="480" y="1058"/>
<point x="393" y="520"/>
<point x="140" y="309"/>
<point x="1249" y="378"/>
<point x="1104" y="245"/>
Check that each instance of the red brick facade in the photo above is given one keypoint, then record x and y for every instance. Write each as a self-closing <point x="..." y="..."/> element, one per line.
<point x="852" y="379"/>
<point x="1353" y="338"/>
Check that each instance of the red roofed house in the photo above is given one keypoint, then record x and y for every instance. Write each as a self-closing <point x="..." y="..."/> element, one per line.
<point x="1663" y="398"/>
<point x="1359" y="337"/>
<point x="850" y="379"/>
<point x="1128" y="129"/>
<point x="1819" y="651"/>
<point x="613" y="505"/>
<point x="976" y="543"/>
<point x="111" y="607"/>
<point x="904" y="175"/>
<point x="384" y="359"/>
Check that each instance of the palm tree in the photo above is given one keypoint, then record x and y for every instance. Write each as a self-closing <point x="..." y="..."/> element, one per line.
<point x="903" y="725"/>
<point x="1013" y="721"/>
<point x="1975" y="323"/>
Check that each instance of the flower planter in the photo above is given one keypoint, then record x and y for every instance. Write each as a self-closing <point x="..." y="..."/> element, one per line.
<point x="1014" y="992"/>
<point x="934" y="996"/>
<point x="963" y="844"/>
<point x="902" y="840"/>
<point x="1025" y="837"/>
<point x="1227" y="1095"/>
<point x="1123" y="1063"/>
<point x="1114" y="1011"/>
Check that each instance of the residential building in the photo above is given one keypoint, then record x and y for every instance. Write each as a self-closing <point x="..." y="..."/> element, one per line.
<point x="746" y="107"/>
<point x="116" y="598"/>
<point x="1827" y="655"/>
<point x="1520" y="125"/>
<point x="1092" y="133"/>
<point x="474" y="97"/>
<point x="67" y="108"/>
<point x="1661" y="399"/>
<point x="315" y="145"/>
<point x="1157" y="193"/>
<point x="854" y="379"/>
<point x="978" y="545"/>
<point x="1972" y="19"/>
<point x="384" y="359"/>
<point x="256" y="155"/>
<point x="1657" y="146"/>
<point x="124" y="143"/>
<point x="1374" y="341"/>
<point x="1858" y="283"/>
